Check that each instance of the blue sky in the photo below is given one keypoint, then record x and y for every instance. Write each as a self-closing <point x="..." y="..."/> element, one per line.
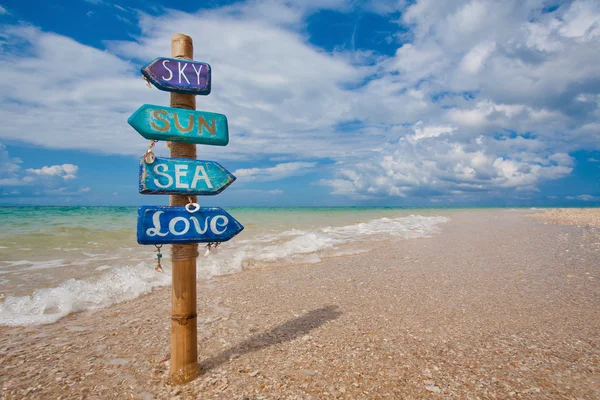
<point x="332" y="102"/>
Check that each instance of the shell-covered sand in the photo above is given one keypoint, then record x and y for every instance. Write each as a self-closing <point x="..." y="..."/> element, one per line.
<point x="495" y="306"/>
<point x="571" y="216"/>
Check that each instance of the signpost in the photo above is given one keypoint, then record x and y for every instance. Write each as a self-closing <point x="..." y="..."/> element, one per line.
<point x="168" y="225"/>
<point x="184" y="223"/>
<point x="179" y="75"/>
<point x="179" y="125"/>
<point x="183" y="176"/>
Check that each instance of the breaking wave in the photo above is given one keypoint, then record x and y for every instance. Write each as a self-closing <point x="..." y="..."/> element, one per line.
<point x="118" y="284"/>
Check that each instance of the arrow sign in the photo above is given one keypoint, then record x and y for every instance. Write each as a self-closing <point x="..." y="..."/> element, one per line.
<point x="181" y="76"/>
<point x="180" y="125"/>
<point x="176" y="225"/>
<point x="183" y="176"/>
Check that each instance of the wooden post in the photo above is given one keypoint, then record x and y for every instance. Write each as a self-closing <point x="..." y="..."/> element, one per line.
<point x="184" y="320"/>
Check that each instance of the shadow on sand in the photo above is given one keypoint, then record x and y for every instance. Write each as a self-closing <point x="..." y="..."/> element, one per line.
<point x="285" y="332"/>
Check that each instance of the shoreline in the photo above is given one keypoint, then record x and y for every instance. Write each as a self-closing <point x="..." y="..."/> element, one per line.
<point x="495" y="304"/>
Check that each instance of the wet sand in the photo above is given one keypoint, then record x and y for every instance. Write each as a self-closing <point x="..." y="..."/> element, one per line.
<point x="496" y="306"/>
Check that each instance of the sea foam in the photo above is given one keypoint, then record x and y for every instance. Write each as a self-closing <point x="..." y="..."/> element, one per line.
<point x="48" y="305"/>
<point x="304" y="246"/>
<point x="118" y="284"/>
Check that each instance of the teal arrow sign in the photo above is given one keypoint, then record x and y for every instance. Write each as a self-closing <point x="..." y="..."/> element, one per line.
<point x="183" y="176"/>
<point x="180" y="125"/>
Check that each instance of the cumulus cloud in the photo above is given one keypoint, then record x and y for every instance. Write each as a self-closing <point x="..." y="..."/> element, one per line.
<point x="8" y="165"/>
<point x="53" y="180"/>
<point x="424" y="132"/>
<point x="582" y="20"/>
<point x="280" y="94"/>
<point x="76" y="98"/>
<point x="274" y="173"/>
<point x="473" y="61"/>
<point x="505" y="91"/>
<point x="65" y="171"/>
<point x="583" y="197"/>
<point x="438" y="166"/>
<point x="10" y="168"/>
<point x="518" y="91"/>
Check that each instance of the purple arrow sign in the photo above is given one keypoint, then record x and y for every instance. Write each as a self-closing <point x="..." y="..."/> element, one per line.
<point x="181" y="76"/>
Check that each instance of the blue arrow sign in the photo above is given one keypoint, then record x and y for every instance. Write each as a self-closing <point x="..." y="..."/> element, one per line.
<point x="181" y="76"/>
<point x="183" y="176"/>
<point x="176" y="225"/>
<point x="180" y="125"/>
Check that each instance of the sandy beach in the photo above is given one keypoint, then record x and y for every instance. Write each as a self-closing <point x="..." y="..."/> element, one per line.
<point x="570" y="216"/>
<point x="497" y="305"/>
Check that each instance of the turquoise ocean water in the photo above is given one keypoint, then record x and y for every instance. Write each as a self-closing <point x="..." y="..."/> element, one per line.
<point x="57" y="260"/>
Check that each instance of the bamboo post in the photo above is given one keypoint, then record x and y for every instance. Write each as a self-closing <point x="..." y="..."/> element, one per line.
<point x="184" y="320"/>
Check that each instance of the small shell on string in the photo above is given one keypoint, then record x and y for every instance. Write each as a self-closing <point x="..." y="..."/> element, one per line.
<point x="192" y="207"/>
<point x="149" y="157"/>
<point x="158" y="266"/>
<point x="148" y="85"/>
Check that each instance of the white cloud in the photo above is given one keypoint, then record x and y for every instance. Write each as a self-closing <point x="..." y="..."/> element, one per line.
<point x="525" y="75"/>
<point x="29" y="184"/>
<point x="582" y="20"/>
<point x="424" y="132"/>
<point x="65" y="171"/>
<point x="504" y="92"/>
<point x="274" y="173"/>
<point x="3" y="11"/>
<point x="278" y="92"/>
<point x="437" y="165"/>
<point x="10" y="168"/>
<point x="11" y="174"/>
<point x="583" y="197"/>
<point x="8" y="165"/>
<point x="473" y="61"/>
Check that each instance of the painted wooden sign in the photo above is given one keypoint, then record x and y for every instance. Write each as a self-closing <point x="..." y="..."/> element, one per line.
<point x="183" y="176"/>
<point x="180" y="125"/>
<point x="181" y="76"/>
<point x="176" y="225"/>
